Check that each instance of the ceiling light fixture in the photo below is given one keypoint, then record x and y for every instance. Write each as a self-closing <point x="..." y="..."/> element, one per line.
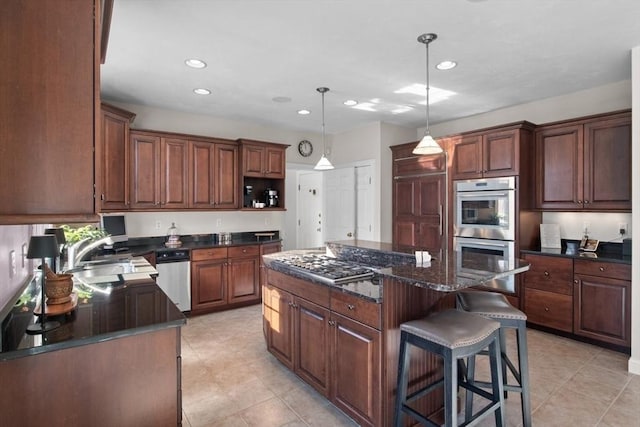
<point x="427" y="144"/>
<point x="195" y="63"/>
<point x="324" y="163"/>
<point x="202" y="91"/>
<point x="304" y="112"/>
<point x="446" y="65"/>
<point x="350" y="102"/>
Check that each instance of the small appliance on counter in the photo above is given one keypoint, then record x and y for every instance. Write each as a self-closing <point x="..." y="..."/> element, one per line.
<point x="173" y="238"/>
<point x="248" y="196"/>
<point x="271" y="198"/>
<point x="222" y="238"/>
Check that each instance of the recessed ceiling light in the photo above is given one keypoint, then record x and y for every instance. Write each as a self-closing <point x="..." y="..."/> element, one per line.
<point x="446" y="65"/>
<point x="350" y="102"/>
<point x="281" y="99"/>
<point x="304" y="112"/>
<point x="195" y="63"/>
<point x="202" y="91"/>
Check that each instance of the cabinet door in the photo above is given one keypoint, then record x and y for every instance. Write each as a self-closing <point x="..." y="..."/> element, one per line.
<point x="275" y="163"/>
<point x="607" y="172"/>
<point x="467" y="158"/>
<point x="559" y="168"/>
<point x="225" y="172"/>
<point x="243" y="279"/>
<point x="202" y="169"/>
<point x="312" y="344"/>
<point x="549" y="309"/>
<point x="252" y="160"/>
<point x="602" y="309"/>
<point x="500" y="153"/>
<point x="145" y="171"/>
<point x="208" y="284"/>
<point x="49" y="114"/>
<point x="175" y="178"/>
<point x="430" y="210"/>
<point x="144" y="306"/>
<point x="356" y="370"/>
<point x="114" y="182"/>
<point x="278" y="315"/>
<point x="265" y="249"/>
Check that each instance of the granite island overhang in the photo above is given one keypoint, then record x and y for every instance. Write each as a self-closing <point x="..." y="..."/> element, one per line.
<point x="343" y="338"/>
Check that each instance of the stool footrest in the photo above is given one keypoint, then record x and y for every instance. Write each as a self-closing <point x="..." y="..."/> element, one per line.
<point x="417" y="415"/>
<point x="488" y="408"/>
<point x="507" y="387"/>
<point x="426" y="390"/>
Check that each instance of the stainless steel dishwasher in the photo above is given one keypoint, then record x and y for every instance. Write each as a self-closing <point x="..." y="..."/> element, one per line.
<point x="174" y="276"/>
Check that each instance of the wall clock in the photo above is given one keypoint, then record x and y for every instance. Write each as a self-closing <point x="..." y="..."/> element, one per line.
<point x="305" y="148"/>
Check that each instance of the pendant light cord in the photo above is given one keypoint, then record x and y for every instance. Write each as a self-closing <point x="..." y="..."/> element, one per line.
<point x="324" y="145"/>
<point x="427" y="109"/>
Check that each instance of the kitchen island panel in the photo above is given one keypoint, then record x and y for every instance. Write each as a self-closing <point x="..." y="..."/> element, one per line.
<point x="133" y="380"/>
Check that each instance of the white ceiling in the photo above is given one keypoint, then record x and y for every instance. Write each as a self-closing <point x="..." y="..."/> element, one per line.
<point x="508" y="52"/>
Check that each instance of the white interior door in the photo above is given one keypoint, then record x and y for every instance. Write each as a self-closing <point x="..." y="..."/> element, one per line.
<point x="310" y="221"/>
<point x="364" y="203"/>
<point x="340" y="204"/>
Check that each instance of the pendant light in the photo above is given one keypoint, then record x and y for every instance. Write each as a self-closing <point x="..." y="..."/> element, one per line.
<point x="324" y="163"/>
<point x="427" y="144"/>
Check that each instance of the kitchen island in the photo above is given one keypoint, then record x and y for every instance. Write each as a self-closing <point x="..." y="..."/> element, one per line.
<point x="115" y="359"/>
<point x="343" y="338"/>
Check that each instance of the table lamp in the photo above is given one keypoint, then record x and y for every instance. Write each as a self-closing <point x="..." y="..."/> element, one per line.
<point x="42" y="247"/>
<point x="59" y="233"/>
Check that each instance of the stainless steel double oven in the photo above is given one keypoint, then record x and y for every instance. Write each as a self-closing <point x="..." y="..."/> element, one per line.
<point x="484" y="222"/>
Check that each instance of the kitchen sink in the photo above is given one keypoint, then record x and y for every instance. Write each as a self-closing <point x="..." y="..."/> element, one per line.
<point x="97" y="269"/>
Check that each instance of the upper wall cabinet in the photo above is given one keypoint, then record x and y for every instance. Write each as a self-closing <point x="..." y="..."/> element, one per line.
<point x="263" y="167"/>
<point x="213" y="174"/>
<point x="585" y="164"/>
<point x="49" y="110"/>
<point x="113" y="181"/>
<point x="145" y="170"/>
<point x="492" y="152"/>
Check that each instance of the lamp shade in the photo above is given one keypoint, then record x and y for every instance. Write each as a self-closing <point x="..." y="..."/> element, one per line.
<point x="427" y="145"/>
<point x="58" y="232"/>
<point x="43" y="247"/>
<point x="323" y="164"/>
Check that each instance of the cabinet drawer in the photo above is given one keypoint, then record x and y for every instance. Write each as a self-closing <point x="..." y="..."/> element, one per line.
<point x="549" y="309"/>
<point x="552" y="274"/>
<point x="243" y="251"/>
<point x="363" y="311"/>
<point x="602" y="269"/>
<point x="208" y="254"/>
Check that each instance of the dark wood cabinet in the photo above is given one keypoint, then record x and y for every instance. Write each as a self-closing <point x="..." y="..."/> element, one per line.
<point x="312" y="345"/>
<point x="494" y="152"/>
<point x="602" y="301"/>
<point x="418" y="199"/>
<point x="174" y="178"/>
<point x="50" y="105"/>
<point x="585" y="164"/>
<point x="265" y="249"/>
<point x="223" y="278"/>
<point x="145" y="170"/>
<point x="262" y="167"/>
<point x="114" y="159"/>
<point x="548" y="292"/>
<point x="213" y="175"/>
<point x="278" y="323"/>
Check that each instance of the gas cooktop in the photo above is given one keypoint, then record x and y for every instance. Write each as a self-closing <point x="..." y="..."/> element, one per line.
<point x="326" y="268"/>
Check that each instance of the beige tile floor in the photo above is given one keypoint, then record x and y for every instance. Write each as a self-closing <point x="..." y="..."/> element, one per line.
<point x="229" y="379"/>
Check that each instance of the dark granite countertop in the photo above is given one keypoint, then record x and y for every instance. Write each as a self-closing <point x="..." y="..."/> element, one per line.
<point x="607" y="252"/>
<point x="142" y="245"/>
<point x="453" y="273"/>
<point x="105" y="311"/>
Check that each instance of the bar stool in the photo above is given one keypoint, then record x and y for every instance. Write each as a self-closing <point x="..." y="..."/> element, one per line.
<point x="452" y="335"/>
<point x="495" y="306"/>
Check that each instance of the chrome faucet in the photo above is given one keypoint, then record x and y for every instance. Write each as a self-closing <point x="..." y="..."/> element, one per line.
<point x="75" y="254"/>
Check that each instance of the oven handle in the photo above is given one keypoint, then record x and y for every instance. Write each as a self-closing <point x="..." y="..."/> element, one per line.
<point x="440" y="215"/>
<point x="494" y="245"/>
<point x="480" y="194"/>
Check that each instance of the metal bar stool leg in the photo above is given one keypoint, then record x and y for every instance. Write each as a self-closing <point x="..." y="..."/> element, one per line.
<point x="523" y="369"/>
<point x="403" y="379"/>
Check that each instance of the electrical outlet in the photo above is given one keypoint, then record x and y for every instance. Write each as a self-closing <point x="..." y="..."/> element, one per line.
<point x="585" y="228"/>
<point x="13" y="268"/>
<point x="158" y="225"/>
<point x="218" y="222"/>
<point x="622" y="228"/>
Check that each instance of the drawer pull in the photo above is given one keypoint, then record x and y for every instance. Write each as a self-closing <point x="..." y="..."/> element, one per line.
<point x="546" y="309"/>
<point x="351" y="306"/>
<point x="332" y="322"/>
<point x="546" y="273"/>
<point x="601" y="268"/>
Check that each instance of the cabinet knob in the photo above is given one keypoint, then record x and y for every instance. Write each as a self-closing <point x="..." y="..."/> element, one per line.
<point x="586" y="202"/>
<point x="575" y="281"/>
<point x="546" y="309"/>
<point x="332" y="323"/>
<point x="546" y="273"/>
<point x="351" y="306"/>
<point x="601" y="268"/>
<point x="580" y="201"/>
<point x="244" y="251"/>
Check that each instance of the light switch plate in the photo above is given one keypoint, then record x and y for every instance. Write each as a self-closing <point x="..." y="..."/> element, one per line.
<point x="13" y="268"/>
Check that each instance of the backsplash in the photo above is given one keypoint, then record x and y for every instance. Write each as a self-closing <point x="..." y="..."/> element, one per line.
<point x="12" y="239"/>
<point x="602" y="226"/>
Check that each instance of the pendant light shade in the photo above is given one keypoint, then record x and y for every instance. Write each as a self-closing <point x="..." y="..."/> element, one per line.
<point x="427" y="144"/>
<point x="324" y="163"/>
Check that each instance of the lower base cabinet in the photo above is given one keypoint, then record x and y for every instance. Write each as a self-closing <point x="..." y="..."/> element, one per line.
<point x="337" y="355"/>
